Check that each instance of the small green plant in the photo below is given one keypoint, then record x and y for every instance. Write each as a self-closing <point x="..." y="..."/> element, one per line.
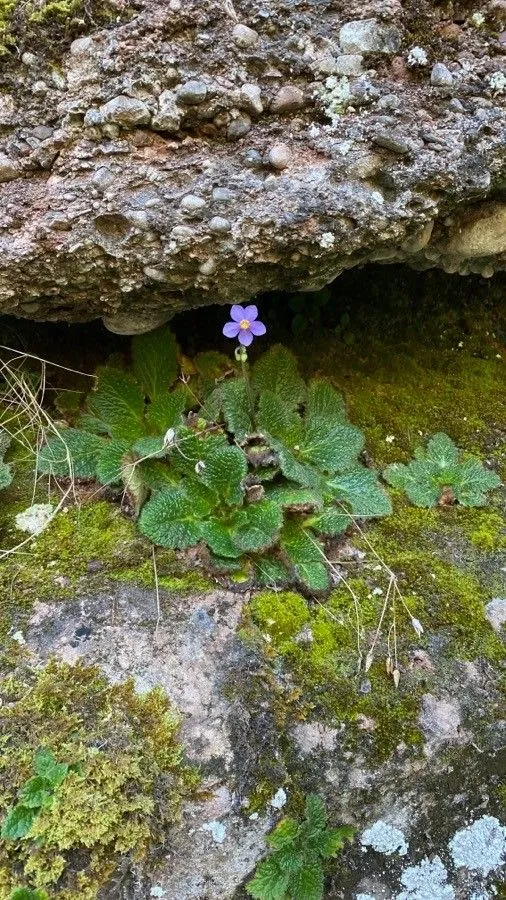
<point x="294" y="868"/>
<point x="5" y="470"/>
<point x="36" y="794"/>
<point x="438" y="477"/>
<point x="258" y="466"/>
<point x="27" y="894"/>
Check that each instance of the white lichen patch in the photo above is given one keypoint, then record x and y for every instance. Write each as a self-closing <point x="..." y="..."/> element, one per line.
<point x="427" y="881"/>
<point x="34" y="519"/>
<point x="327" y="240"/>
<point x="384" y="838"/>
<point x="417" y="57"/>
<point x="481" y="847"/>
<point x="279" y="799"/>
<point x="216" y="829"/>
<point x="497" y="82"/>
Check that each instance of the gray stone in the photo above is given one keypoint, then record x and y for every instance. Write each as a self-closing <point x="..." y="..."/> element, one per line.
<point x="496" y="613"/>
<point x="391" y="141"/>
<point x="441" y="76"/>
<point x="93" y="117"/>
<point x="279" y="156"/>
<point x="125" y="111"/>
<point x="219" y="225"/>
<point x="192" y="93"/>
<point x="243" y="36"/>
<point x="369" y="36"/>
<point x="8" y="168"/>
<point x="251" y="96"/>
<point x="169" y="115"/>
<point x="440" y="720"/>
<point x="192" y="204"/>
<point x="7" y="109"/>
<point x="288" y="99"/>
<point x="239" y="127"/>
<point x="223" y="195"/>
<point x="253" y="159"/>
<point x="348" y="64"/>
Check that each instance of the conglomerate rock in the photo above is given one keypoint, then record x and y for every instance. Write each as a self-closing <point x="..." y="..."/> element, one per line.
<point x="207" y="150"/>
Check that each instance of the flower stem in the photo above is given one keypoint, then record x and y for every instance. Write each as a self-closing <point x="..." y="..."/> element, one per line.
<point x="242" y="356"/>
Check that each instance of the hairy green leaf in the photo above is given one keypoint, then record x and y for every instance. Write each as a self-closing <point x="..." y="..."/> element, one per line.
<point x="173" y="517"/>
<point x="151" y="447"/>
<point x="72" y="453"/>
<point x="296" y="498"/>
<point x="331" y="520"/>
<point x="277" y="419"/>
<point x="37" y="792"/>
<point x="283" y="834"/>
<point x="118" y="400"/>
<point x="27" y="894"/>
<point x="277" y="371"/>
<point x="109" y="469"/>
<point x="268" y="883"/>
<point x="259" y="526"/>
<point x="18" y="822"/>
<point x="154" y="360"/>
<point x="218" y="536"/>
<point x="211" y="366"/>
<point x="270" y="571"/>
<point x="46" y="766"/>
<point x="166" y="411"/>
<point x="224" y="469"/>
<point x="236" y="407"/>
<point x="361" y="489"/>
<point x="315" y="813"/>
<point x="324" y="404"/>
<point x="474" y="481"/>
<point x="308" y="882"/>
<point x="305" y="554"/>
<point x="332" y="448"/>
<point x="333" y="839"/>
<point x="440" y="450"/>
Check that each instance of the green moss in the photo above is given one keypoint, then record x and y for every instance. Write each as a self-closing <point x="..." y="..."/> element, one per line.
<point x="128" y="789"/>
<point x="323" y="662"/>
<point x="50" y="22"/>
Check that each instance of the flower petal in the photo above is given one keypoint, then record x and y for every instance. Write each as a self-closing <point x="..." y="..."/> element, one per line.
<point x="237" y="313"/>
<point x="245" y="338"/>
<point x="257" y="328"/>
<point x="231" y="329"/>
<point x="250" y="313"/>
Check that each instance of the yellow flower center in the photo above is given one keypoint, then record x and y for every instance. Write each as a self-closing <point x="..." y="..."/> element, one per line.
<point x="244" y="324"/>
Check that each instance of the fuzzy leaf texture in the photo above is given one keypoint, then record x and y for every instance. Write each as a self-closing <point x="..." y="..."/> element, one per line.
<point x="277" y="371"/>
<point x="118" y="400"/>
<point x="236" y="407"/>
<point x="154" y="361"/>
<point x="269" y="882"/>
<point x="73" y="453"/>
<point x="438" y="469"/>
<point x="110" y="463"/>
<point x="259" y="526"/>
<point x="173" y="517"/>
<point x="166" y="411"/>
<point x="304" y="552"/>
<point x="18" y="822"/>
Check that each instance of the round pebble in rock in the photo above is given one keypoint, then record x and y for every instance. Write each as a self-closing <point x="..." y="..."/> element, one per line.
<point x="279" y="156"/>
<point x="244" y="36"/>
<point x="219" y="225"/>
<point x="192" y="93"/>
<point x="238" y="127"/>
<point x="253" y="159"/>
<point x="441" y="76"/>
<point x="192" y="204"/>
<point x="288" y="99"/>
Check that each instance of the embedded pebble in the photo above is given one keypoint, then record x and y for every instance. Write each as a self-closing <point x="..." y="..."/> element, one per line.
<point x="125" y="111"/>
<point x="238" y="127"/>
<point x="369" y="36"/>
<point x="348" y="64"/>
<point x="192" y="204"/>
<point x="279" y="156"/>
<point x="253" y="159"/>
<point x="251" y="96"/>
<point x="219" y="225"/>
<point x="169" y="116"/>
<point x="192" y="93"/>
<point x="223" y="195"/>
<point x="391" y="141"/>
<point x="243" y="36"/>
<point x="441" y="76"/>
<point x="288" y="99"/>
<point x="9" y="169"/>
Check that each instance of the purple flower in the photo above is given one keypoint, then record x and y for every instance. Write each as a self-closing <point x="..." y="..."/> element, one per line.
<point x="244" y="324"/>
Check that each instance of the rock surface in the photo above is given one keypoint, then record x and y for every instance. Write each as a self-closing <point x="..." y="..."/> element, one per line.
<point x="101" y="141"/>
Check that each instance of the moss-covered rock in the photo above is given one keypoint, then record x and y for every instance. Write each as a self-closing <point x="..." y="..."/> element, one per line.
<point x="124" y="793"/>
